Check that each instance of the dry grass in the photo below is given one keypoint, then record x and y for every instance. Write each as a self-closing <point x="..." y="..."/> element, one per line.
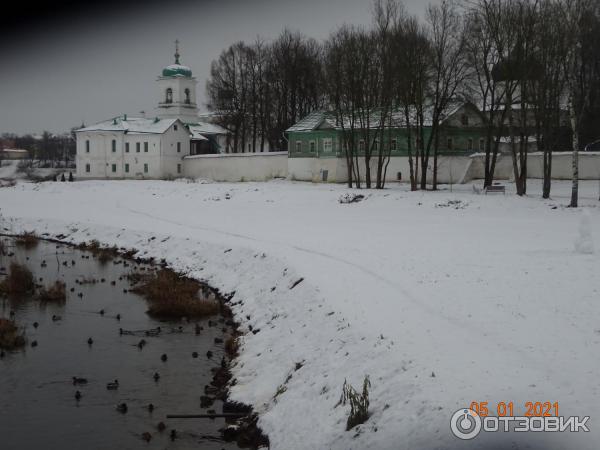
<point x="28" y="240"/>
<point x="232" y="346"/>
<point x="170" y="294"/>
<point x="18" y="282"/>
<point x="10" y="338"/>
<point x="56" y="293"/>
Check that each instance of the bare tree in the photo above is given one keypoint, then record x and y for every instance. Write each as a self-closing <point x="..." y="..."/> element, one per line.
<point x="581" y="69"/>
<point x="449" y="70"/>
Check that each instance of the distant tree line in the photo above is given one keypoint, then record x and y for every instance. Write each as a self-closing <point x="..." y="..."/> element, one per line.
<point x="47" y="149"/>
<point x="524" y="63"/>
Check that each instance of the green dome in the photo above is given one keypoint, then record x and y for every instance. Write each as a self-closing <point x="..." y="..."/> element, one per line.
<point x="177" y="70"/>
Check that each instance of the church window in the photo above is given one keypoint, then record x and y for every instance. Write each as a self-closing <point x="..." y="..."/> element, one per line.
<point x="178" y="147"/>
<point x="137" y="147"/>
<point x="145" y="168"/>
<point x="87" y="168"/>
<point x="178" y="168"/>
<point x="298" y="146"/>
<point x="87" y="146"/>
<point x="169" y="96"/>
<point x="393" y="144"/>
<point x="327" y="144"/>
<point x="114" y="168"/>
<point x="464" y="120"/>
<point x="175" y="127"/>
<point x="114" y="145"/>
<point x="312" y="146"/>
<point x="145" y="147"/>
<point x="126" y="147"/>
<point x="187" y="96"/>
<point x="126" y="168"/>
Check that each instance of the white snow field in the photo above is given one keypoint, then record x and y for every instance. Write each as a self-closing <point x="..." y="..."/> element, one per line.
<point x="483" y="298"/>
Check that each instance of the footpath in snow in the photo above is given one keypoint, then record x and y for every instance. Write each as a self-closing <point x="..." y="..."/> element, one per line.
<point x="442" y="298"/>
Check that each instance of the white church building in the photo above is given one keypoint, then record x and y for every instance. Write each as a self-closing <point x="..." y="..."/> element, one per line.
<point x="151" y="147"/>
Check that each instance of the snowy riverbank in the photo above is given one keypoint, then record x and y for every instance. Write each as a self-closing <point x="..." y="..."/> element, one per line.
<point x="482" y="298"/>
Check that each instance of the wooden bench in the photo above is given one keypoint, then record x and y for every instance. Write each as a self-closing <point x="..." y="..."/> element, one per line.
<point x="496" y="188"/>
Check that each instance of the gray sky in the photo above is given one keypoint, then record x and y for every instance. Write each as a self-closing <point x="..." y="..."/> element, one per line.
<point x="105" y="63"/>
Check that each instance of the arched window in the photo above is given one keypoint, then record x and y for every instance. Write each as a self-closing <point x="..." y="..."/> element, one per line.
<point x="169" y="96"/>
<point x="187" y="96"/>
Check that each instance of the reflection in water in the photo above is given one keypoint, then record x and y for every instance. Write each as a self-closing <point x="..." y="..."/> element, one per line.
<point x="38" y="405"/>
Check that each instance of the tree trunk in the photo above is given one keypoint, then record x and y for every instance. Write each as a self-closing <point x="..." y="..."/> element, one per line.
<point x="575" y="161"/>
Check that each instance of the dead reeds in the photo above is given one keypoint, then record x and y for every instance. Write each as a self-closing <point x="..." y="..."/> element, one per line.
<point x="55" y="293"/>
<point x="10" y="337"/>
<point x="18" y="282"/>
<point x="172" y="295"/>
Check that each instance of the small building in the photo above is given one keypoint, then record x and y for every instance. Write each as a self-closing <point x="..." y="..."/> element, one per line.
<point x="13" y="153"/>
<point x="317" y="147"/>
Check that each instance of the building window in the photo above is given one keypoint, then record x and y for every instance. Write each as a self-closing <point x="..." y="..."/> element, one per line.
<point x="393" y="144"/>
<point x="361" y="145"/>
<point x="145" y="147"/>
<point x="312" y="146"/>
<point x="327" y="145"/>
<point x="169" y="96"/>
<point x="126" y="147"/>
<point x="298" y="146"/>
<point x="114" y="168"/>
<point x="87" y="146"/>
<point x="114" y="145"/>
<point x="375" y="145"/>
<point x="464" y="120"/>
<point x="470" y="144"/>
<point x="87" y="168"/>
<point x="449" y="143"/>
<point x="481" y="145"/>
<point x="137" y="147"/>
<point x="187" y="96"/>
<point x="126" y="168"/>
<point x="175" y="127"/>
<point x="145" y="168"/>
<point x="179" y="147"/>
<point x="178" y="168"/>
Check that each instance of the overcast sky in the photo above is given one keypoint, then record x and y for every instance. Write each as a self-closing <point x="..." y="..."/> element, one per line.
<point x="74" y="63"/>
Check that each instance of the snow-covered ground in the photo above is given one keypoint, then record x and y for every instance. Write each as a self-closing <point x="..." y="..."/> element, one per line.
<point x="441" y="303"/>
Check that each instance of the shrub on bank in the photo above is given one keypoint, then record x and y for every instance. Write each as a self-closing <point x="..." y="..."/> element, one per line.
<point x="171" y="294"/>
<point x="28" y="240"/>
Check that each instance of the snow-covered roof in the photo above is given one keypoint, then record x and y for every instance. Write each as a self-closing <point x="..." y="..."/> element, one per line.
<point x="328" y="119"/>
<point x="132" y="125"/>
<point x="207" y="128"/>
<point x="14" y="150"/>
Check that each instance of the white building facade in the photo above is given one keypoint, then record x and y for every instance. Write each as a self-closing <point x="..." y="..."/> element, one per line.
<point x="151" y="148"/>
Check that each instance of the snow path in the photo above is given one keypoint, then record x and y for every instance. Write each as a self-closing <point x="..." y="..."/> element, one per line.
<point x="490" y="297"/>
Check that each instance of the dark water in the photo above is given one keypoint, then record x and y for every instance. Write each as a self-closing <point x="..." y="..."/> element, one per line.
<point x="38" y="409"/>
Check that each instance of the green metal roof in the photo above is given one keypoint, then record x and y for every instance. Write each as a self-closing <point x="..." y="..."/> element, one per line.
<point x="177" y="70"/>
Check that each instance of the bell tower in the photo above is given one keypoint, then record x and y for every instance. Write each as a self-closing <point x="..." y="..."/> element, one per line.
<point x="177" y="90"/>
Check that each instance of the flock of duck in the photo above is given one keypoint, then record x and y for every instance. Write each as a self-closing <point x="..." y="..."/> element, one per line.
<point x="80" y="382"/>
